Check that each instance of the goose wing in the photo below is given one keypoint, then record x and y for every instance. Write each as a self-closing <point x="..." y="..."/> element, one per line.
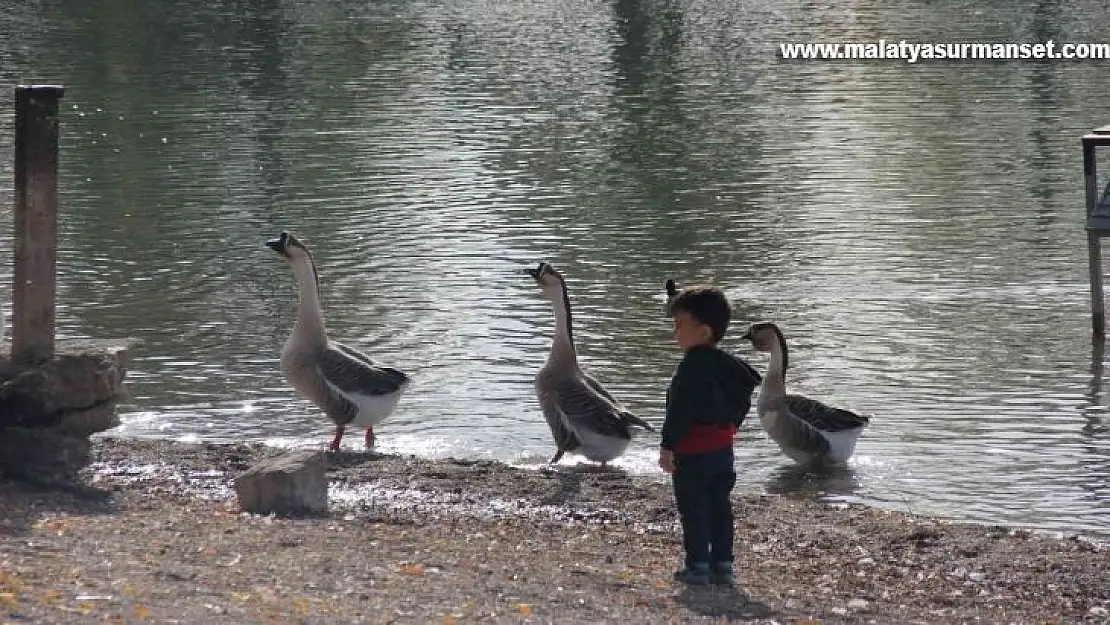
<point x="625" y="415"/>
<point x="351" y="371"/>
<point x="585" y="408"/>
<point x="793" y="431"/>
<point x="822" y="416"/>
<point x="600" y="390"/>
<point x="565" y="438"/>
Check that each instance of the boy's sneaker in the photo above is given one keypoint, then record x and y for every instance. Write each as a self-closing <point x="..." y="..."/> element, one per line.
<point x="722" y="574"/>
<point x="697" y="575"/>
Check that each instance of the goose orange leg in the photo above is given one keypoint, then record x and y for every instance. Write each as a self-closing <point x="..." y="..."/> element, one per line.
<point x="338" y="437"/>
<point x="369" y="437"/>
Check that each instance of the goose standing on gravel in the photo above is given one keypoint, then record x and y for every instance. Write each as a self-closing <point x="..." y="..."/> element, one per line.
<point x="810" y="432"/>
<point x="346" y="384"/>
<point x="584" y="417"/>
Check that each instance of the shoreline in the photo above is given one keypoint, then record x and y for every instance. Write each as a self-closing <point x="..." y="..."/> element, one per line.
<point x="504" y="544"/>
<point x="793" y="482"/>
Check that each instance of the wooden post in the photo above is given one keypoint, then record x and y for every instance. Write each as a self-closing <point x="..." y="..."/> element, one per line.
<point x="1094" y="242"/>
<point x="36" y="222"/>
<point x="1098" y="301"/>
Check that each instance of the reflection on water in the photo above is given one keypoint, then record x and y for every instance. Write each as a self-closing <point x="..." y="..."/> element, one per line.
<point x="916" y="230"/>
<point x="829" y="482"/>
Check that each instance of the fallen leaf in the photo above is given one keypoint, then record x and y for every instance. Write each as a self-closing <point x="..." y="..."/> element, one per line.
<point x="13" y="583"/>
<point x="300" y="606"/>
<point x="141" y="612"/>
<point x="85" y="607"/>
<point x="413" y="569"/>
<point x="51" y="596"/>
<point x="525" y="609"/>
<point x="807" y="621"/>
<point x="450" y="620"/>
<point x="47" y="524"/>
<point x="9" y="599"/>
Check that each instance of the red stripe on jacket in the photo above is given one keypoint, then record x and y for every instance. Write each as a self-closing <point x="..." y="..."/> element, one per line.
<point x="705" y="437"/>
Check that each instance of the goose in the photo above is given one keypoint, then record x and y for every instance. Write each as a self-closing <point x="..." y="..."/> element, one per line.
<point x="672" y="290"/>
<point x="584" y="417"/>
<point x="345" y="383"/>
<point x="808" y="431"/>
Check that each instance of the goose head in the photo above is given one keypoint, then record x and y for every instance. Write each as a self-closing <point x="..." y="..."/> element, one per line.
<point x="765" y="336"/>
<point x="296" y="253"/>
<point x="549" y="280"/>
<point x="289" y="247"/>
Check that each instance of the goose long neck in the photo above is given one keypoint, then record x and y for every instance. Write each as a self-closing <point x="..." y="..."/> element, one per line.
<point x="774" y="383"/>
<point x="562" y="347"/>
<point x="310" y="318"/>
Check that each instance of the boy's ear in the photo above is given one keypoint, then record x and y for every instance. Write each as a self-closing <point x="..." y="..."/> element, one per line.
<point x="707" y="333"/>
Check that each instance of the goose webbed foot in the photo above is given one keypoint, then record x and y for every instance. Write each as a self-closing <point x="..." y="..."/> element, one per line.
<point x="338" y="437"/>
<point x="370" y="438"/>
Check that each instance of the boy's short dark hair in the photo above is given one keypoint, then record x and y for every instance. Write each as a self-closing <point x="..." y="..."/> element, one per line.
<point x="708" y="305"/>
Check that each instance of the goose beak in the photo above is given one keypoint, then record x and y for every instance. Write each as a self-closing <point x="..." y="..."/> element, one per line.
<point x="534" y="272"/>
<point x="671" y="288"/>
<point x="279" y="244"/>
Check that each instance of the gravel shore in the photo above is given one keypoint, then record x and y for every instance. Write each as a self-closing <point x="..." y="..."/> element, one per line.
<point x="155" y="536"/>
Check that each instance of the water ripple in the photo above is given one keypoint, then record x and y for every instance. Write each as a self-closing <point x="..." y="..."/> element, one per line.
<point x="916" y="230"/>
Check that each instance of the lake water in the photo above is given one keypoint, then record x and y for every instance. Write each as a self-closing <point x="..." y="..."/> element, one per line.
<point x="917" y="230"/>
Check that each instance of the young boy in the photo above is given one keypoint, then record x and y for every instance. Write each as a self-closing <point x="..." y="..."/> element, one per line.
<point x="708" y="398"/>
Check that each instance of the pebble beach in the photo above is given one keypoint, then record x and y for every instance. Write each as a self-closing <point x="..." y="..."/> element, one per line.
<point x="154" y="534"/>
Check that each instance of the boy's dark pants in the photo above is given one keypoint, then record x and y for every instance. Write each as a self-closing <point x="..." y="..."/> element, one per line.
<point x="702" y="490"/>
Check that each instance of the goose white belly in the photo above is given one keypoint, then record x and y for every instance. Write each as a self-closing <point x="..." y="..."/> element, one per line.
<point x="598" y="447"/>
<point x="372" y="409"/>
<point x="842" y="444"/>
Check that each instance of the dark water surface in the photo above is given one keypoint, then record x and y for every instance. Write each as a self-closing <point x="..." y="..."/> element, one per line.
<point x="917" y="230"/>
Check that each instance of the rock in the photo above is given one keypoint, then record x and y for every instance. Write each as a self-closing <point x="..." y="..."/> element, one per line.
<point x="295" y="482"/>
<point x="46" y="455"/>
<point x="90" y="421"/>
<point x="859" y="605"/>
<point x="81" y="375"/>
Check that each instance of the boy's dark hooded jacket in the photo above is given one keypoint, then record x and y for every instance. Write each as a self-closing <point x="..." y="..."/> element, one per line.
<point x="709" y="396"/>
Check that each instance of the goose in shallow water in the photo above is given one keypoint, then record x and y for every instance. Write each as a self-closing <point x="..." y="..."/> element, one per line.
<point x="672" y="291"/>
<point x="345" y="383"/>
<point x="584" y="418"/>
<point x="810" y="432"/>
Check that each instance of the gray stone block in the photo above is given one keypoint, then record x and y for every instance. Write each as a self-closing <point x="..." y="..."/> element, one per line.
<point x="293" y="483"/>
<point x="90" y="421"/>
<point x="82" y="374"/>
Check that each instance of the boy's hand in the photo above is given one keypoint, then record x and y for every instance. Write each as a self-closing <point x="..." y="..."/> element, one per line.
<point x="666" y="460"/>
